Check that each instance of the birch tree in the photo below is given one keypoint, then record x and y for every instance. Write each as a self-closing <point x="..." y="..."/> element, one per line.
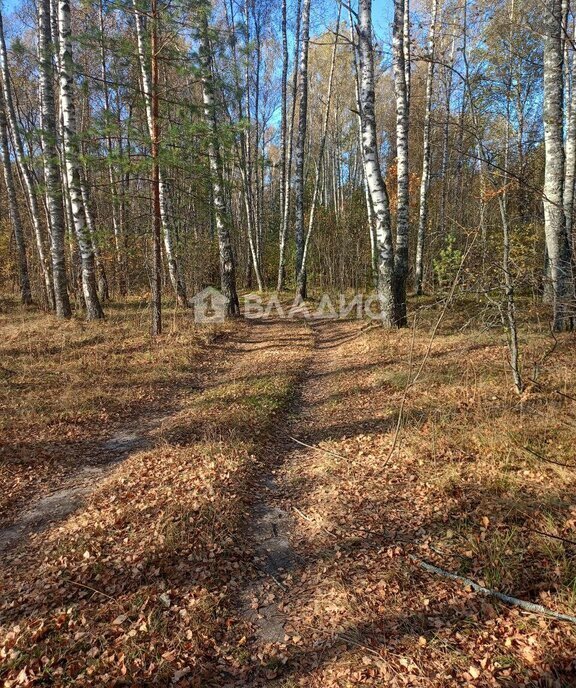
<point x="290" y="137"/>
<point x="156" y="184"/>
<point x="319" y="165"/>
<point x="372" y="170"/>
<point x="401" y="75"/>
<point x="51" y="165"/>
<point x="300" y="150"/>
<point x="557" y="244"/>
<point x="118" y="229"/>
<point x="92" y="303"/>
<point x="25" y="173"/>
<point x="284" y="189"/>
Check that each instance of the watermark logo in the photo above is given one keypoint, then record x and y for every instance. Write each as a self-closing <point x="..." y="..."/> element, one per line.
<point x="209" y="306"/>
<point x="329" y="307"/>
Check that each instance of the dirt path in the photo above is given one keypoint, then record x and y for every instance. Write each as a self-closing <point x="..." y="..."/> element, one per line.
<point x="76" y="487"/>
<point x="259" y="388"/>
<point x="216" y="549"/>
<point x="275" y="504"/>
<point x="249" y="352"/>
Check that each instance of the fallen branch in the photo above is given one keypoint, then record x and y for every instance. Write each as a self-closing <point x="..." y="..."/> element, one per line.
<point x="507" y="599"/>
<point x="271" y="575"/>
<point x="87" y="587"/>
<point x="554" y="391"/>
<point x="344" y="638"/>
<point x="319" y="449"/>
<point x="554" y="537"/>
<point x="546" y="459"/>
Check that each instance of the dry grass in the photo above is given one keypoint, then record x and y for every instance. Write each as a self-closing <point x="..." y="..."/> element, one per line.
<point x="460" y="491"/>
<point x="163" y="544"/>
<point x="143" y="581"/>
<point x="66" y="385"/>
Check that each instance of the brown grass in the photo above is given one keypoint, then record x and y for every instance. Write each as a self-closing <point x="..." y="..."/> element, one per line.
<point x="163" y="543"/>
<point x="66" y="385"/>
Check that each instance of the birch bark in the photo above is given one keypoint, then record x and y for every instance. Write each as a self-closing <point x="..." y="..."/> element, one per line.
<point x="13" y="210"/>
<point x="319" y="166"/>
<point x="287" y="187"/>
<point x="67" y="105"/>
<point x="51" y="164"/>
<point x="372" y="170"/>
<point x="402" y="210"/>
<point x="227" y="263"/>
<point x="300" y="152"/>
<point x="20" y="156"/>
<point x="557" y="244"/>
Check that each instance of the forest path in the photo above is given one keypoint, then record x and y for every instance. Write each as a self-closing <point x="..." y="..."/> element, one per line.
<point x="249" y="352"/>
<point x="93" y="467"/>
<point x="268" y="600"/>
<point x="215" y="474"/>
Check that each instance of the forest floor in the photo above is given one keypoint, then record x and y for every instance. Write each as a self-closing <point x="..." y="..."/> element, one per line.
<point x="244" y="505"/>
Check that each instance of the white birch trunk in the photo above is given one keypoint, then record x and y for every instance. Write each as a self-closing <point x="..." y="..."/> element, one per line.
<point x="372" y="171"/>
<point x="570" y="164"/>
<point x="554" y="221"/>
<point x="319" y="166"/>
<point x="284" y="189"/>
<point x="13" y="210"/>
<point x="32" y="201"/>
<point x="288" y="186"/>
<point x="227" y="263"/>
<point x="68" y="110"/>
<point x="402" y="210"/>
<point x="50" y="157"/>
<point x="300" y="150"/>
<point x="367" y="198"/>
<point x="120" y="267"/>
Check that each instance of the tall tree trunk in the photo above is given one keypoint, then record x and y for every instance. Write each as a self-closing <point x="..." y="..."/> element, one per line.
<point x="250" y="159"/>
<point x="509" y="320"/>
<point x="156" y="320"/>
<point x="407" y="50"/>
<point x="570" y="164"/>
<point x="426" y="155"/>
<point x="13" y="210"/>
<point x="51" y="166"/>
<point x="448" y="84"/>
<point x="252" y="257"/>
<point x="367" y="198"/>
<point x="101" y="277"/>
<point x="176" y="277"/>
<point x="554" y="221"/>
<point x="402" y="211"/>
<point x="283" y="145"/>
<point x="372" y="170"/>
<point x="89" y="289"/>
<point x="227" y="262"/>
<point x="24" y="170"/>
<point x="300" y="151"/>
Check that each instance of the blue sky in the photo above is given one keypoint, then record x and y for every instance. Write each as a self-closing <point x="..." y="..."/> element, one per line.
<point x="382" y="13"/>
